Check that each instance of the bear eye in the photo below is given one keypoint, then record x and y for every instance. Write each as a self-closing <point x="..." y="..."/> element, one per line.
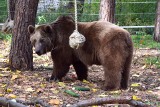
<point x="34" y="41"/>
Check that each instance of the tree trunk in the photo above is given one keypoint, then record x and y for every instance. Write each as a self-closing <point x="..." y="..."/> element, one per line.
<point x="11" y="10"/>
<point x="107" y="10"/>
<point x="9" y="23"/>
<point x="157" y="23"/>
<point x="21" y="57"/>
<point x="80" y="5"/>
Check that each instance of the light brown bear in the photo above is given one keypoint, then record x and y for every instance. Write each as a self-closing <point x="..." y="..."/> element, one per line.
<point x="106" y="44"/>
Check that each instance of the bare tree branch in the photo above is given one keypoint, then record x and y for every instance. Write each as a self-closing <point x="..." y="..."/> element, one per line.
<point x="33" y="102"/>
<point x="9" y="103"/>
<point x="20" y="103"/>
<point x="110" y="100"/>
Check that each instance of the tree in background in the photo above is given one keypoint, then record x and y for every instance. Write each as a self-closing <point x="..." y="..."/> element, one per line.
<point x="107" y="10"/>
<point x="157" y="23"/>
<point x="11" y="9"/>
<point x="21" y="57"/>
<point x="71" y="9"/>
<point x="9" y="23"/>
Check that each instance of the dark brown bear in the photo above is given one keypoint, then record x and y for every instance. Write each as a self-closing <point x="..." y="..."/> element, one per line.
<point x="106" y="44"/>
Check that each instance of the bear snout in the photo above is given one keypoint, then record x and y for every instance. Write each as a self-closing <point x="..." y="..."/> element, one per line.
<point x="38" y="52"/>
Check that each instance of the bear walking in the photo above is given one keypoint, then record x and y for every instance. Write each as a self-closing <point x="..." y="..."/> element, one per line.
<point x="106" y="44"/>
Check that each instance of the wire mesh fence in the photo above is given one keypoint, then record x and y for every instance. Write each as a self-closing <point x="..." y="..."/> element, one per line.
<point x="128" y="13"/>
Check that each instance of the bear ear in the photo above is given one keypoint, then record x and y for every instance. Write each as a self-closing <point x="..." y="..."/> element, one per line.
<point x="48" y="29"/>
<point x="31" y="29"/>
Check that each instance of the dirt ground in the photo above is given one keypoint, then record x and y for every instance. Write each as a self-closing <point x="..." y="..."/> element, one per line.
<point x="144" y="81"/>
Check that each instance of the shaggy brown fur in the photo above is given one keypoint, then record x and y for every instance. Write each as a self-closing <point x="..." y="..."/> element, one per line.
<point x="106" y="44"/>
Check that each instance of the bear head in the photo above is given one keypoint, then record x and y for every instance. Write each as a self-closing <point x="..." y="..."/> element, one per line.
<point x="41" y="38"/>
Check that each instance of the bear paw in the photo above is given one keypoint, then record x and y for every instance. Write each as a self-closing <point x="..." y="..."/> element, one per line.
<point x="109" y="88"/>
<point x="49" y="79"/>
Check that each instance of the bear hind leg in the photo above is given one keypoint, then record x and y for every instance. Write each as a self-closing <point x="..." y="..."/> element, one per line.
<point x="125" y="73"/>
<point x="81" y="70"/>
<point x="112" y="79"/>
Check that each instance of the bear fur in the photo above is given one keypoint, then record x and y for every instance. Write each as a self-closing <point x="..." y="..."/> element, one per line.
<point x="106" y="44"/>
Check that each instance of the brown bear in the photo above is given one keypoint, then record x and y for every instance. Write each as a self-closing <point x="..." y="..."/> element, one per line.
<point x="106" y="44"/>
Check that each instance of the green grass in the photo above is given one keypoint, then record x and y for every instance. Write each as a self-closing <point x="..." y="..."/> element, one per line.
<point x="153" y="61"/>
<point x="145" y="41"/>
<point x="6" y="37"/>
<point x="141" y="40"/>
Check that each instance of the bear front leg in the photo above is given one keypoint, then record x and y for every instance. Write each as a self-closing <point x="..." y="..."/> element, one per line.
<point x="81" y="70"/>
<point x="59" y="72"/>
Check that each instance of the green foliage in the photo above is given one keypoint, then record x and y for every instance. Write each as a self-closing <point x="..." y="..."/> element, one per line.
<point x="127" y="13"/>
<point x="153" y="61"/>
<point x="135" y="13"/>
<point x="5" y="36"/>
<point x="3" y="10"/>
<point x="141" y="40"/>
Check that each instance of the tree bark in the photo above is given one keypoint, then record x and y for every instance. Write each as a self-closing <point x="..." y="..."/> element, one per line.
<point x="107" y="10"/>
<point x="157" y="23"/>
<point x="11" y="6"/>
<point x="21" y="57"/>
<point x="80" y="5"/>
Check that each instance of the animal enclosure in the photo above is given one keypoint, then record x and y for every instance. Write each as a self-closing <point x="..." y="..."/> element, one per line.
<point x="137" y="16"/>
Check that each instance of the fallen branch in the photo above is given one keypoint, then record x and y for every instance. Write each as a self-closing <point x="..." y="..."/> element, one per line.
<point x="20" y="103"/>
<point x="36" y="101"/>
<point x="110" y="100"/>
<point x="9" y="103"/>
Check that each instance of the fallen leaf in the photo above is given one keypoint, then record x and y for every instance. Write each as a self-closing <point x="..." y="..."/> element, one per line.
<point x="39" y="90"/>
<point x="135" y="98"/>
<point x="1" y="75"/>
<point x="94" y="90"/>
<point x="18" y="72"/>
<point x="36" y="75"/>
<point x="55" y="91"/>
<point x="14" y="76"/>
<point x="115" y="92"/>
<point x="1" y="95"/>
<point x="143" y="67"/>
<point x="85" y="81"/>
<point x="91" y="85"/>
<point x="30" y="89"/>
<point x="149" y="91"/>
<point x="43" y="85"/>
<point x="135" y="85"/>
<point x="46" y="64"/>
<point x="61" y="84"/>
<point x="135" y="75"/>
<point x="102" y="95"/>
<point x="9" y="90"/>
<point x="54" y="102"/>
<point x="4" y="85"/>
<point x="12" y="96"/>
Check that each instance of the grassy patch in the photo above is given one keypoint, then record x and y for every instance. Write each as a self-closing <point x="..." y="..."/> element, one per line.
<point x="145" y="41"/>
<point x="153" y="61"/>
<point x="5" y="36"/>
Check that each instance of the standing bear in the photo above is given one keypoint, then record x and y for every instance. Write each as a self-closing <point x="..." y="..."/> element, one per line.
<point x="106" y="44"/>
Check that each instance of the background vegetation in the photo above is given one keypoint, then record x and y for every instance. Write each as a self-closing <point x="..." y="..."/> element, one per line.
<point x="128" y="12"/>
